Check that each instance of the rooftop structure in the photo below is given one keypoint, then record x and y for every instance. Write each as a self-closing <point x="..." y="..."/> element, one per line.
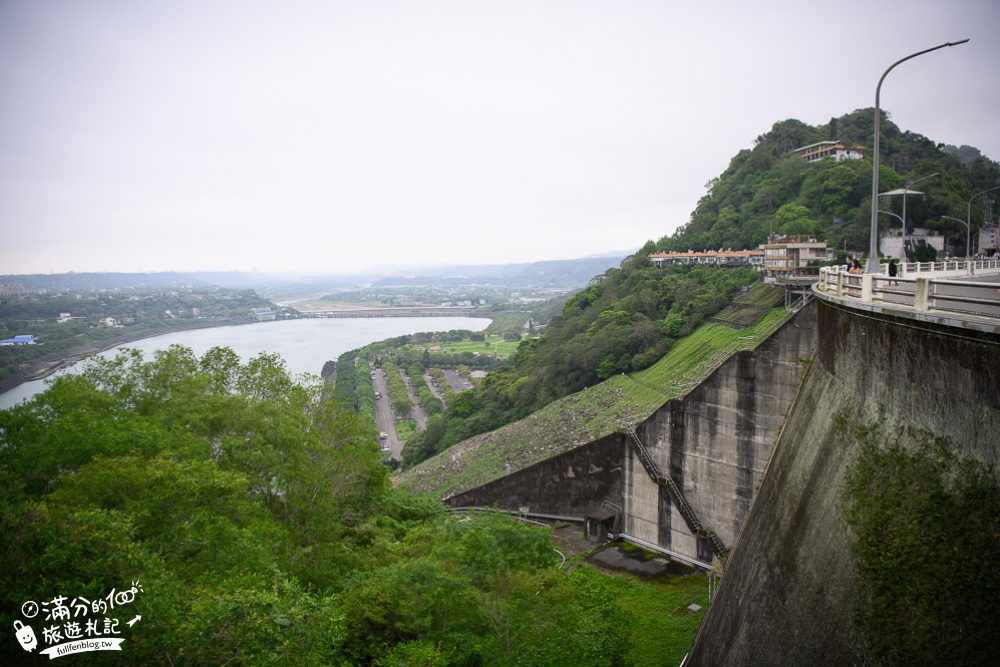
<point x="19" y="340"/>
<point x="711" y="257"/>
<point x="834" y="149"/>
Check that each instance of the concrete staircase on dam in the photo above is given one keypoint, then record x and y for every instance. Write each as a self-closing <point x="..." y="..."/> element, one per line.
<point x="683" y="506"/>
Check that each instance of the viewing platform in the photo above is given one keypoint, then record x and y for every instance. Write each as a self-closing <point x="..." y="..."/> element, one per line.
<point x="962" y="294"/>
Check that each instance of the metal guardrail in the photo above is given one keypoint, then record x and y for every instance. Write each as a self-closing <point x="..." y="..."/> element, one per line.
<point x="943" y="288"/>
<point x="524" y="514"/>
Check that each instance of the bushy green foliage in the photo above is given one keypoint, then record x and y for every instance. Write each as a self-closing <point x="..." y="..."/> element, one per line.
<point x="926" y="526"/>
<point x="487" y="591"/>
<point x="401" y="403"/>
<point x="767" y="189"/>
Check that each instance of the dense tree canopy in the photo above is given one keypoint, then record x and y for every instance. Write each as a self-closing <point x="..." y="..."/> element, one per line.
<point x="767" y="189"/>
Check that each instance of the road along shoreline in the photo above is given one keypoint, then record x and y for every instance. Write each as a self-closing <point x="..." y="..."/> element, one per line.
<point x="47" y="365"/>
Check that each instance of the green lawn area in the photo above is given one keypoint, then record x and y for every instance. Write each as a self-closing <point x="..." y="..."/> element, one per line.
<point x="662" y="626"/>
<point x="503" y="348"/>
<point x="405" y="429"/>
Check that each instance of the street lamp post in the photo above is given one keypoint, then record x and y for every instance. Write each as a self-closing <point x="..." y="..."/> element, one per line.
<point x="900" y="218"/>
<point x="873" y="263"/>
<point x="903" y="191"/>
<point x="968" y="217"/>
<point x="906" y="188"/>
<point x="968" y="234"/>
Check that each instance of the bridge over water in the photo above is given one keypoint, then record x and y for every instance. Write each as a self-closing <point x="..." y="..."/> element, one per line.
<point x="397" y="311"/>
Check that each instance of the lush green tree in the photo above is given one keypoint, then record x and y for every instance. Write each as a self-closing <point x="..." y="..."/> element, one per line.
<point x="740" y="207"/>
<point x="794" y="219"/>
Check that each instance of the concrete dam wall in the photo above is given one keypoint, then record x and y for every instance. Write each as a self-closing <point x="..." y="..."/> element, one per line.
<point x="575" y="483"/>
<point x="788" y="591"/>
<point x="714" y="443"/>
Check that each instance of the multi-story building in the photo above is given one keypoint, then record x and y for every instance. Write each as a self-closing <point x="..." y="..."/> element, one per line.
<point x="834" y="149"/>
<point x="711" y="257"/>
<point x="789" y="255"/>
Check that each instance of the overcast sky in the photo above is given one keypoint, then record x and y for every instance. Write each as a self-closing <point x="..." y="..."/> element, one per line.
<point x="333" y="136"/>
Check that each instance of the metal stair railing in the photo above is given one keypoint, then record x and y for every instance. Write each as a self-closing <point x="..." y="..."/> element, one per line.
<point x="690" y="518"/>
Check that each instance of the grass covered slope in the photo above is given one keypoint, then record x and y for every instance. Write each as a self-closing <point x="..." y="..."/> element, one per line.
<point x="589" y="414"/>
<point x="748" y="307"/>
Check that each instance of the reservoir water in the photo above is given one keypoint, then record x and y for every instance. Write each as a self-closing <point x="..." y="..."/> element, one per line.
<point x="305" y="345"/>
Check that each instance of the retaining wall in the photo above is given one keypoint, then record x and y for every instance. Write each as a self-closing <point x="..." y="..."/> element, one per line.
<point x="715" y="443"/>
<point x="574" y="483"/>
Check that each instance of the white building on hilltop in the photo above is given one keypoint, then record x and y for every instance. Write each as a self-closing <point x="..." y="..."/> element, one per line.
<point x="834" y="149"/>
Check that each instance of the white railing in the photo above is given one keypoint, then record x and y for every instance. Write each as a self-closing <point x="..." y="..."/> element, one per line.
<point x="947" y="288"/>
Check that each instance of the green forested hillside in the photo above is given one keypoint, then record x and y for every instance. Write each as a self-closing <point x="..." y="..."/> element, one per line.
<point x="765" y="188"/>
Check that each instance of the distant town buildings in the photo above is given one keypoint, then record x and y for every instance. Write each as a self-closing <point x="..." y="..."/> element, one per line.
<point x="834" y="149"/>
<point x="20" y="340"/>
<point x="710" y="257"/>
<point x="989" y="239"/>
<point x="780" y="256"/>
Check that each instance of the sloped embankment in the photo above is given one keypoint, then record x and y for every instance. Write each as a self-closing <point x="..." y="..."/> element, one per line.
<point x="587" y="415"/>
<point x="750" y="306"/>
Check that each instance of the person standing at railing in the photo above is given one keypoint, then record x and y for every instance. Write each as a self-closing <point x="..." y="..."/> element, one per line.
<point x="856" y="268"/>
<point x="892" y="271"/>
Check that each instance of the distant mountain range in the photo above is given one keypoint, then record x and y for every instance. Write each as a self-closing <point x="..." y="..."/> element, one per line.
<point x="553" y="273"/>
